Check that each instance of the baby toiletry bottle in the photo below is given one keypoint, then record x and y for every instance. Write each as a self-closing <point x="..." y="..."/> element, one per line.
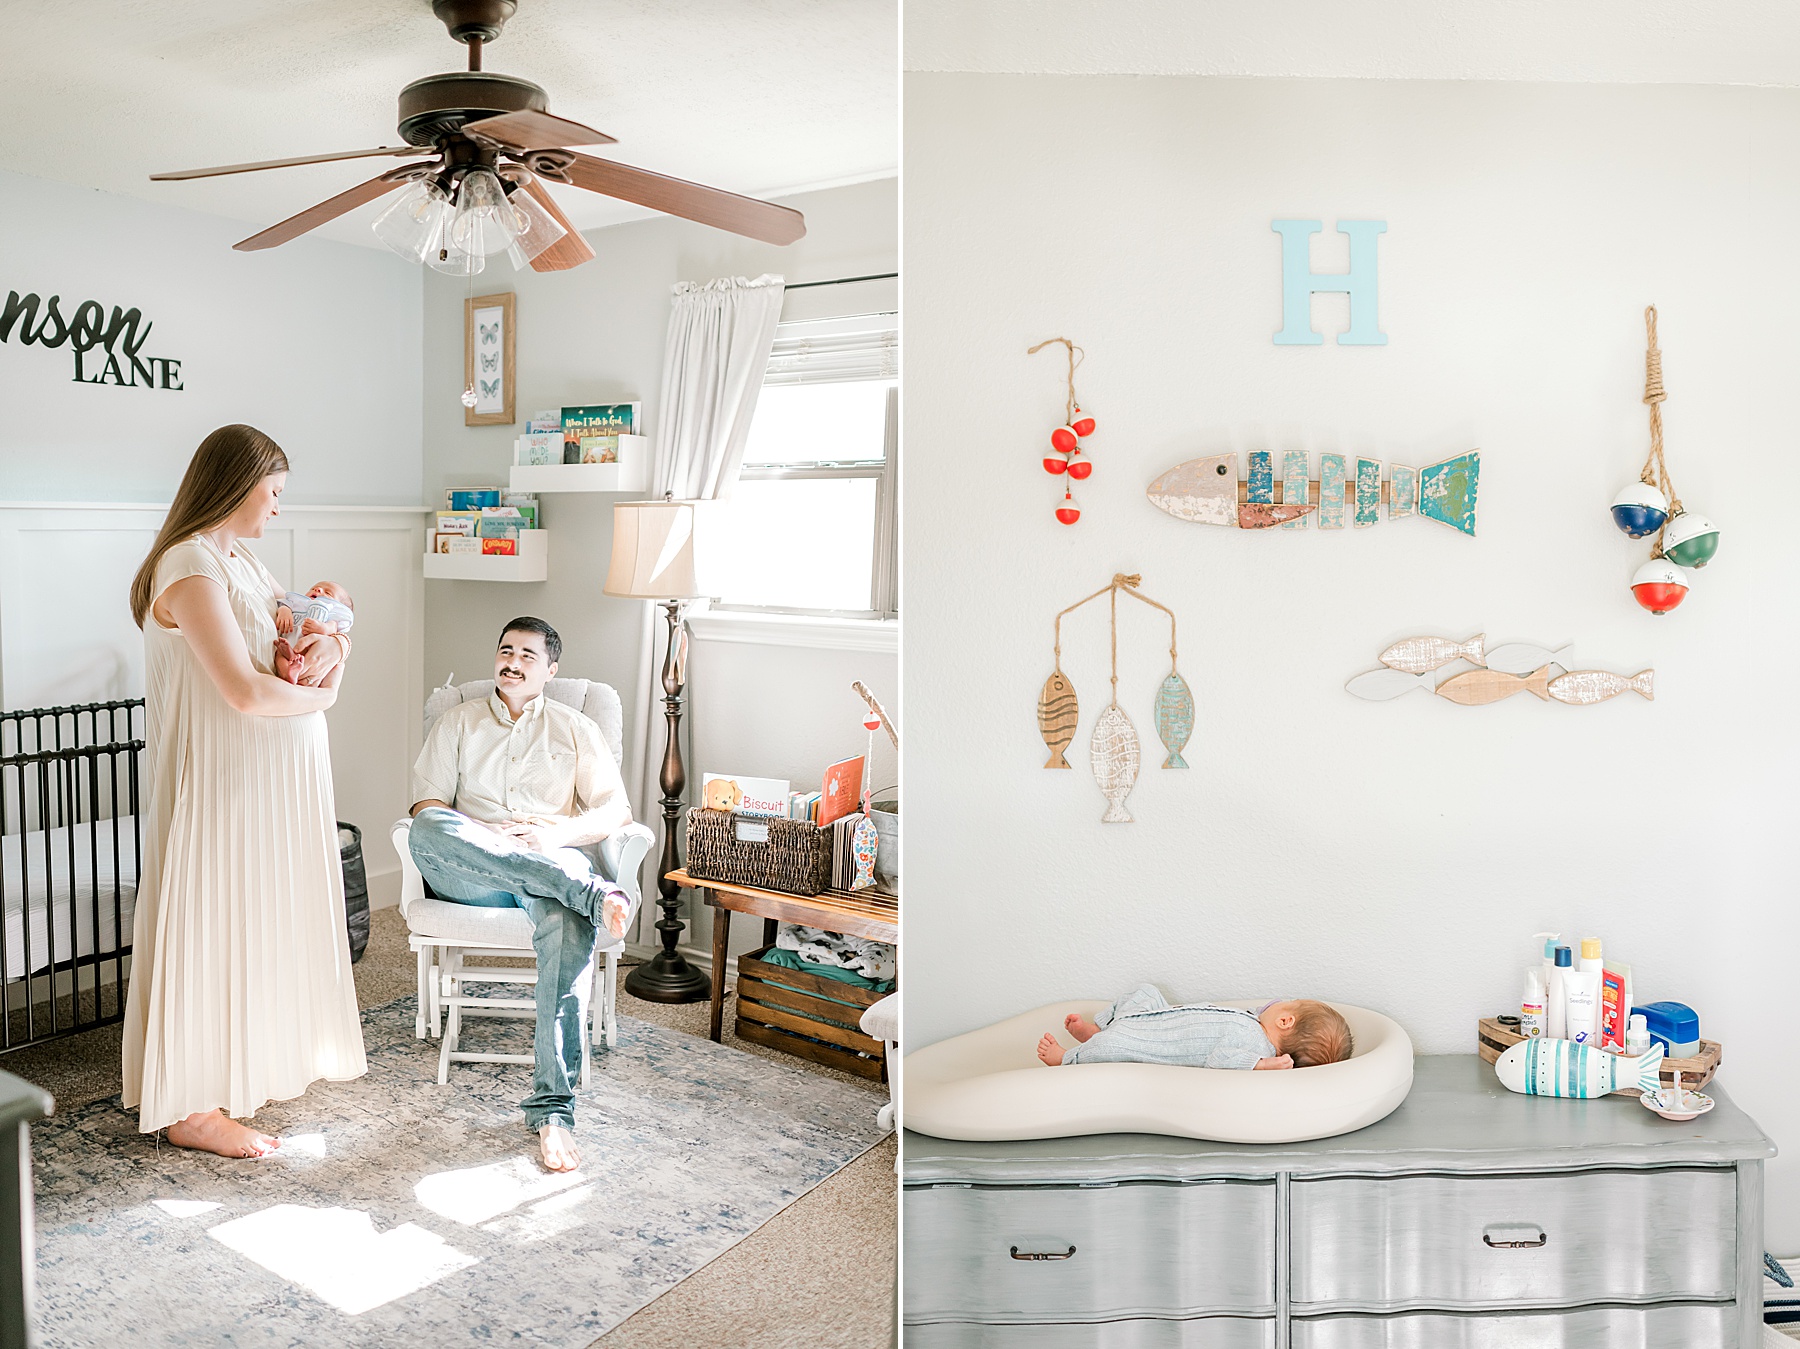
<point x="1556" y="996"/>
<point x="1531" y="1006"/>
<point x="1583" y="987"/>
<point x="1637" y="1038"/>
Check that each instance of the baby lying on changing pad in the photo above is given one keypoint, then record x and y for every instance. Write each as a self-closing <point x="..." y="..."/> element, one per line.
<point x="325" y="608"/>
<point x="1144" y="1028"/>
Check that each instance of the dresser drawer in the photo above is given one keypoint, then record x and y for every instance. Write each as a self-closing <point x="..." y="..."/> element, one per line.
<point x="1206" y="1332"/>
<point x="1132" y="1249"/>
<point x="1689" y="1326"/>
<point x="1396" y="1242"/>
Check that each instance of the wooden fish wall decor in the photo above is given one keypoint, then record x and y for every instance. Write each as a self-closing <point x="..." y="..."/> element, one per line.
<point x="1516" y="667"/>
<point x="1113" y="750"/>
<point x="1208" y="491"/>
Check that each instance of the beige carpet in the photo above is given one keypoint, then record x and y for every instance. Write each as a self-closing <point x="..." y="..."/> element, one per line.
<point x="819" y="1275"/>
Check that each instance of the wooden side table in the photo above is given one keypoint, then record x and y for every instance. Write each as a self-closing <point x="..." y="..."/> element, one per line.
<point x="20" y="1105"/>
<point x="860" y="913"/>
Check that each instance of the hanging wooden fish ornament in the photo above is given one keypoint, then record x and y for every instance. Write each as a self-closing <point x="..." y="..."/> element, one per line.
<point x="1065" y="440"/>
<point x="1174" y="717"/>
<point x="1683" y="538"/>
<point x="1114" y="755"/>
<point x="1058" y="714"/>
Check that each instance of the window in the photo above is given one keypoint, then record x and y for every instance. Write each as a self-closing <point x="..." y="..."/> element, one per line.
<point x="810" y="526"/>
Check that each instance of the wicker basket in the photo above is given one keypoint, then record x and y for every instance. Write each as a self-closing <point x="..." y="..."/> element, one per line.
<point x="792" y="856"/>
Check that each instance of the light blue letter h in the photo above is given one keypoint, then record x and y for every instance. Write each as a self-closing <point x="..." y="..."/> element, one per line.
<point x="1299" y="281"/>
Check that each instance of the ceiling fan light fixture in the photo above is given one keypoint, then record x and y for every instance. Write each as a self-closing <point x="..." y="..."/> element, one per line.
<point x="484" y="223"/>
<point x="414" y="223"/>
<point x="534" y="228"/>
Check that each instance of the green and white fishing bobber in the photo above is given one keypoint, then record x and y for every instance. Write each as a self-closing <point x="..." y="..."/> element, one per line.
<point x="1544" y="1067"/>
<point x="1690" y="540"/>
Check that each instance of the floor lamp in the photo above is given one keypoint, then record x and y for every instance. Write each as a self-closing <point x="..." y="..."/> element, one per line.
<point x="653" y="559"/>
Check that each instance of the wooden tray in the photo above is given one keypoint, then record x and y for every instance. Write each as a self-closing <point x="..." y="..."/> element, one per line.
<point x="793" y="1011"/>
<point x="1493" y="1040"/>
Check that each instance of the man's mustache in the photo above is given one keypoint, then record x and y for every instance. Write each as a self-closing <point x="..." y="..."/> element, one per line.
<point x="508" y="670"/>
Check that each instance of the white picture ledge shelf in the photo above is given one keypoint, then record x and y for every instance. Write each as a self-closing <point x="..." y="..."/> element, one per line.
<point x="630" y="474"/>
<point x="530" y="563"/>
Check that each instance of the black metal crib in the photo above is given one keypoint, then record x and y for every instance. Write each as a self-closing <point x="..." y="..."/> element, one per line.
<point x="70" y="847"/>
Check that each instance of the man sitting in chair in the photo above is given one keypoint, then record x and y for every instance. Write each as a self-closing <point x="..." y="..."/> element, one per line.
<point x="507" y="789"/>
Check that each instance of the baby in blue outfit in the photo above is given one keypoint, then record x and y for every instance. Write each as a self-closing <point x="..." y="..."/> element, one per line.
<point x="1144" y="1028"/>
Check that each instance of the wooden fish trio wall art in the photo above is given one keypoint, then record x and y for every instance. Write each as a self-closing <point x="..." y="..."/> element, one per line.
<point x="1113" y="750"/>
<point x="1517" y="667"/>
<point x="1650" y="506"/>
<point x="1207" y="491"/>
<point x="1065" y="440"/>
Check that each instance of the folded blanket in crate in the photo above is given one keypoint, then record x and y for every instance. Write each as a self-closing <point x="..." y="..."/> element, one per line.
<point x="871" y="959"/>
<point x="793" y="960"/>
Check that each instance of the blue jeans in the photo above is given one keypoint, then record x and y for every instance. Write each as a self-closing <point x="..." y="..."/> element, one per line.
<point x="466" y="862"/>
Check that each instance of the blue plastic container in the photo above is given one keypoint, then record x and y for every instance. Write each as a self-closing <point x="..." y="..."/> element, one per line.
<point x="1673" y="1024"/>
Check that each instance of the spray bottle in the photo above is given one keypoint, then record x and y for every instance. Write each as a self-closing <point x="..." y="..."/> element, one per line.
<point x="1556" y="1009"/>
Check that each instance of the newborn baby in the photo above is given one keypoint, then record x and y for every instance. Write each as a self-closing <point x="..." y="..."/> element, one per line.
<point x="1143" y="1028"/>
<point x="325" y="608"/>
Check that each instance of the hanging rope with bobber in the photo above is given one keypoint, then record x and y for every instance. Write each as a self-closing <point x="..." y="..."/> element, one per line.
<point x="1066" y="439"/>
<point x="1650" y="505"/>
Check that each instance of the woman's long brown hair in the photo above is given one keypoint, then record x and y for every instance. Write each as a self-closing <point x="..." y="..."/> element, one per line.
<point x="224" y="470"/>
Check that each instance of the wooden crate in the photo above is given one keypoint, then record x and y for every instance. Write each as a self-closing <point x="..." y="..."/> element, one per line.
<point x="1493" y="1040"/>
<point x="793" y="1011"/>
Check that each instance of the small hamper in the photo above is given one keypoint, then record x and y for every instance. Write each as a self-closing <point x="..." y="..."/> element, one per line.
<point x="792" y="856"/>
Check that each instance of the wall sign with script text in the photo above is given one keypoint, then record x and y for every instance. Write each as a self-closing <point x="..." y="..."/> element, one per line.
<point x="107" y="346"/>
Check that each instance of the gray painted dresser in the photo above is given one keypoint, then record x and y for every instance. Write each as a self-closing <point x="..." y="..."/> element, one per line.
<point x="1470" y="1218"/>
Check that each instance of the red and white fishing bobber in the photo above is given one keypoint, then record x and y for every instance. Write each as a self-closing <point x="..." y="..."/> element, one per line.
<point x="1068" y="512"/>
<point x="1659" y="585"/>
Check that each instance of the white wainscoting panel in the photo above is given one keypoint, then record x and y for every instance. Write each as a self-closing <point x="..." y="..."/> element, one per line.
<point x="66" y="634"/>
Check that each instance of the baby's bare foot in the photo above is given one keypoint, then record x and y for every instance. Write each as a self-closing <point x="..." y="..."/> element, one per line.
<point x="1050" y="1051"/>
<point x="1080" y="1027"/>
<point x="556" y="1147"/>
<point x="211" y="1131"/>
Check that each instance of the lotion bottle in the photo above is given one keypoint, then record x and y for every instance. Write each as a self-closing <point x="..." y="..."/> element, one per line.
<point x="1583" y="989"/>
<point x="1531" y="1006"/>
<point x="1556" y="996"/>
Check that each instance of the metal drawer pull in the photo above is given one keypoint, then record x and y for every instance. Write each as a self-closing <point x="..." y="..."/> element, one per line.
<point x="1017" y="1254"/>
<point x="1514" y="1243"/>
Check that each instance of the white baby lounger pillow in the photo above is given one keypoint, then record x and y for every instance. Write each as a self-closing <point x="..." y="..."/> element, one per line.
<point x="988" y="1084"/>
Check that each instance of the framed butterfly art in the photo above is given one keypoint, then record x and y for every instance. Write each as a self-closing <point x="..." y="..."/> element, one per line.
<point x="488" y="344"/>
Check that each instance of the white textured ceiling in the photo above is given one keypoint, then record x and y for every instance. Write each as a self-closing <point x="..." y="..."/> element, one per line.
<point x="1559" y="41"/>
<point x="756" y="96"/>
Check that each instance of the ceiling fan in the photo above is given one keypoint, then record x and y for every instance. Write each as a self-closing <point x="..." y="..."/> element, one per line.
<point x="490" y="142"/>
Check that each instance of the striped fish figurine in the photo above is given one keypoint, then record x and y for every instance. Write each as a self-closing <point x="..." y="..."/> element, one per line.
<point x="1596" y="686"/>
<point x="1545" y="1067"/>
<point x="1174" y="718"/>
<point x="1058" y="713"/>
<point x="1416" y="655"/>
<point x="1113" y="752"/>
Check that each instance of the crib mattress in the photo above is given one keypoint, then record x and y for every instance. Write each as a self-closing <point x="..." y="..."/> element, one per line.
<point x="50" y="906"/>
<point x="989" y="1085"/>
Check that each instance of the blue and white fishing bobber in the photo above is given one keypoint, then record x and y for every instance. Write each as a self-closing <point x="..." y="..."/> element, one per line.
<point x="1545" y="1067"/>
<point x="1640" y="509"/>
<point x="1690" y="540"/>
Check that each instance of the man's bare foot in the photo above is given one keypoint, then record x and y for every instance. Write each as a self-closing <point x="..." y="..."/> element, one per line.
<point x="211" y="1131"/>
<point x="556" y="1148"/>
<point x="615" y="909"/>
<point x="1080" y="1027"/>
<point x="1050" y="1051"/>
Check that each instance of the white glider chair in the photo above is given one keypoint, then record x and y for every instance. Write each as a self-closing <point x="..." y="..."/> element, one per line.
<point x="444" y="934"/>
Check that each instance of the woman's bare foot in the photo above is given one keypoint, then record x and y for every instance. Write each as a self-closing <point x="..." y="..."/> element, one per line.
<point x="1050" y="1051"/>
<point x="556" y="1148"/>
<point x="1080" y="1027"/>
<point x="211" y="1131"/>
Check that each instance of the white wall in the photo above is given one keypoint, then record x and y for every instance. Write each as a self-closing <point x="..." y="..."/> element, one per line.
<point x="595" y="335"/>
<point x="1397" y="855"/>
<point x="316" y="343"/>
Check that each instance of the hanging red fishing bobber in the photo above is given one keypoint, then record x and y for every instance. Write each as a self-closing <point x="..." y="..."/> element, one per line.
<point x="1065" y="440"/>
<point x="1068" y="512"/>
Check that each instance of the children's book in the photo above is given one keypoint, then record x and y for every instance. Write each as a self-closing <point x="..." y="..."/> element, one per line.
<point x="599" y="449"/>
<point x="540" y="447"/>
<point x="589" y="423"/>
<point x="500" y="547"/>
<point x="746" y="796"/>
<point x="471" y="498"/>
<point x="841" y="789"/>
<point x="457" y="522"/>
<point x="550" y="420"/>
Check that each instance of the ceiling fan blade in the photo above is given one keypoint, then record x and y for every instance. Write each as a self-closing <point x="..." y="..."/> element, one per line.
<point x="314" y="216"/>
<point x="285" y="163"/>
<point x="708" y="205"/>
<point x="530" y="130"/>
<point x="569" y="251"/>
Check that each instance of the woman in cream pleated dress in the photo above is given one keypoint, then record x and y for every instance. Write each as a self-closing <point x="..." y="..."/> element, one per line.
<point x="241" y="991"/>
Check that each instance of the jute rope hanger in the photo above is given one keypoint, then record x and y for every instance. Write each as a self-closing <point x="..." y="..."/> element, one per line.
<point x="1076" y="357"/>
<point x="1656" y="470"/>
<point x="1129" y="583"/>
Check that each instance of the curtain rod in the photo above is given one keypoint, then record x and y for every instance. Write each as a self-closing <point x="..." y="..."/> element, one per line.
<point x="844" y="280"/>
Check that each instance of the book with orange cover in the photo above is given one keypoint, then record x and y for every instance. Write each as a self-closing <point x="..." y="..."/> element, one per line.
<point x="841" y="790"/>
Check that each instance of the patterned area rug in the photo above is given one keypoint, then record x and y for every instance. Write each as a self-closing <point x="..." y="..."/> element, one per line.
<point x="400" y="1212"/>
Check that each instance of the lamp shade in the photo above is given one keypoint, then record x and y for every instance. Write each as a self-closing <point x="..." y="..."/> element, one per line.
<point x="652" y="551"/>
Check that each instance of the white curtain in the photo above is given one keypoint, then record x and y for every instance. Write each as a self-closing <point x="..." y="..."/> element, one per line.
<point x="714" y="360"/>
